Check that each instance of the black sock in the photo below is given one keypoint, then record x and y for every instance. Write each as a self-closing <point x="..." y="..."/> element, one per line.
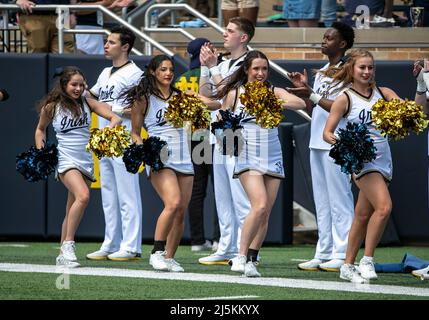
<point x="158" y="246"/>
<point x="252" y="255"/>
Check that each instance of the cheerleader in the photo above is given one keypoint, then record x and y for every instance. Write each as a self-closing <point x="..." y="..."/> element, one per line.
<point x="70" y="114"/>
<point x="260" y="164"/>
<point x="374" y="204"/>
<point x="173" y="183"/>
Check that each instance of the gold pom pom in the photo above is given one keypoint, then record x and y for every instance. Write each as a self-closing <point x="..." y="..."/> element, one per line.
<point x="108" y="142"/>
<point x="262" y="103"/>
<point x="397" y="118"/>
<point x="187" y="108"/>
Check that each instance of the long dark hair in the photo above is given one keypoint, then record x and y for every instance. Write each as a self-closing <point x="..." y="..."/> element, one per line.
<point x="147" y="85"/>
<point x="239" y="77"/>
<point x="59" y="96"/>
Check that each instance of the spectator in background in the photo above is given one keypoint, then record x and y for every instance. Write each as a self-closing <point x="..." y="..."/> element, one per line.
<point x="329" y="12"/>
<point x="90" y="43"/>
<point x="39" y="27"/>
<point x="190" y="81"/>
<point x="240" y="8"/>
<point x="302" y="13"/>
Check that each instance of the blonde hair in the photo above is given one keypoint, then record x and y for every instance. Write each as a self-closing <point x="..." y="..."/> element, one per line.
<point x="345" y="74"/>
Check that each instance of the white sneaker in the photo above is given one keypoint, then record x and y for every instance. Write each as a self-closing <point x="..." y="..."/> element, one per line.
<point x="206" y="246"/>
<point x="215" y="245"/>
<point x="238" y="264"/>
<point x="98" y="255"/>
<point x="367" y="270"/>
<point x="215" y="259"/>
<point x="311" y="265"/>
<point x="348" y="272"/>
<point x="174" y="266"/>
<point x="61" y="261"/>
<point x="333" y="265"/>
<point x="68" y="250"/>
<point x="123" y="255"/>
<point x="251" y="271"/>
<point x="157" y="261"/>
<point x="421" y="273"/>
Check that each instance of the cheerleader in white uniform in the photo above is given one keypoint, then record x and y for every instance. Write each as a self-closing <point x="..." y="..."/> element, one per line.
<point x="173" y="183"/>
<point x="374" y="204"/>
<point x="259" y="166"/>
<point x="70" y="114"/>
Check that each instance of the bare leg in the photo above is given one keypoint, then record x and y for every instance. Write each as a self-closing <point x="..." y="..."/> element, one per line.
<point x="251" y="14"/>
<point x="253" y="184"/>
<point x="176" y="232"/>
<point x="78" y="186"/>
<point x="313" y="23"/>
<point x="272" y="186"/>
<point x="228" y="14"/>
<point x="375" y="189"/>
<point x="363" y="212"/>
<point x="166" y="185"/>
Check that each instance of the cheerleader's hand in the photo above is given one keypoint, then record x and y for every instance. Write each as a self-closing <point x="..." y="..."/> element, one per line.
<point x="115" y="121"/>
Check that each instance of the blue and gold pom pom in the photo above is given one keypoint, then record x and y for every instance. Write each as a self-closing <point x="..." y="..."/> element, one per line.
<point x="108" y="142"/>
<point x="184" y="108"/>
<point x="37" y="164"/>
<point x="153" y="152"/>
<point x="353" y="148"/>
<point x="262" y="103"/>
<point x="397" y="118"/>
<point x="228" y="133"/>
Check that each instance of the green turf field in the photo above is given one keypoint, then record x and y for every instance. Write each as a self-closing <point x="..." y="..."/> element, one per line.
<point x="276" y="262"/>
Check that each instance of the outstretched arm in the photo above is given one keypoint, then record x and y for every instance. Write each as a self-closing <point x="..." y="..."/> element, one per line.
<point x="291" y="101"/>
<point x="338" y="109"/>
<point x="104" y="110"/>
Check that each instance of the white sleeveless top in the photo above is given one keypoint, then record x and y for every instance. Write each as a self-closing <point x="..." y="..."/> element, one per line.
<point x="361" y="111"/>
<point x="323" y="86"/>
<point x="72" y="133"/>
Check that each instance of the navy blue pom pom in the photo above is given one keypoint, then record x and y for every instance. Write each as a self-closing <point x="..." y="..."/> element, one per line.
<point x="229" y="121"/>
<point x="353" y="148"/>
<point x="150" y="153"/>
<point x="37" y="164"/>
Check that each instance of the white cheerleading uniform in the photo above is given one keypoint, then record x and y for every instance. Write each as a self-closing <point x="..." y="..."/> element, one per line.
<point x="179" y="157"/>
<point x="332" y="192"/>
<point x="120" y="190"/>
<point x="72" y="133"/>
<point x="361" y="112"/>
<point x="232" y="202"/>
<point x="262" y="150"/>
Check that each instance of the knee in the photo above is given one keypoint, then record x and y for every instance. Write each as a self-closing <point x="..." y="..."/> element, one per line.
<point x="363" y="216"/>
<point x="173" y="205"/>
<point x="261" y="211"/>
<point x="384" y="211"/>
<point x="83" y="197"/>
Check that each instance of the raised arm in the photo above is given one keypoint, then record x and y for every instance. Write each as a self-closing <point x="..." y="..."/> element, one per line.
<point x="137" y="116"/>
<point x="210" y="74"/>
<point x="104" y="110"/>
<point x="40" y="134"/>
<point x="292" y="102"/>
<point x="422" y="77"/>
<point x="338" y="109"/>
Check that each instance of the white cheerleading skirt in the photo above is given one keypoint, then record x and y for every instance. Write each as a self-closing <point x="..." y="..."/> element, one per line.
<point x="179" y="156"/>
<point x="261" y="152"/>
<point x="381" y="164"/>
<point x="80" y="160"/>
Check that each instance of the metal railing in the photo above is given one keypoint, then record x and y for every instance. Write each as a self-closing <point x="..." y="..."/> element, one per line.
<point x="63" y="12"/>
<point x="185" y="7"/>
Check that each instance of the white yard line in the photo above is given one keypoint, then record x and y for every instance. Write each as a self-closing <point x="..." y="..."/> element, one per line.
<point x="13" y="245"/>
<point x="222" y="278"/>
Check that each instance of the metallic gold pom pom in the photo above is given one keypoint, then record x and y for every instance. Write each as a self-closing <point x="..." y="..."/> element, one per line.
<point x="108" y="142"/>
<point x="397" y="118"/>
<point x="187" y="108"/>
<point x="262" y="103"/>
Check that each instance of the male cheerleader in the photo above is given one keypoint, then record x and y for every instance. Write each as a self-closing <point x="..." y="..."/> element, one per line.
<point x="120" y="190"/>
